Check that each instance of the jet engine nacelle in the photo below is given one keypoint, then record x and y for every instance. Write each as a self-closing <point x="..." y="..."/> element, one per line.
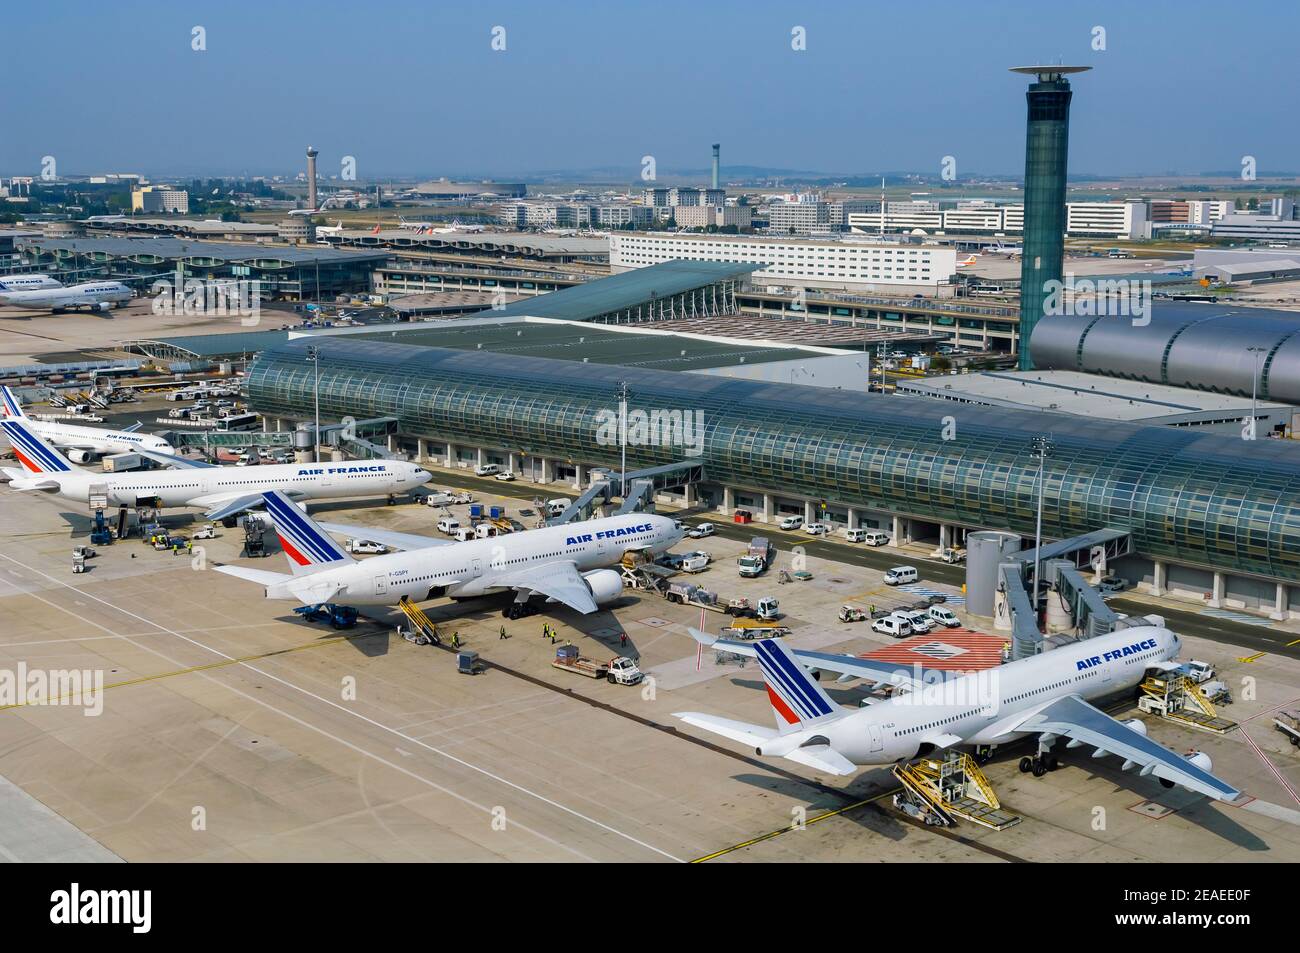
<point x="83" y="456"/>
<point x="104" y="306"/>
<point x="606" y="585"/>
<point x="1137" y="725"/>
<point x="1201" y="760"/>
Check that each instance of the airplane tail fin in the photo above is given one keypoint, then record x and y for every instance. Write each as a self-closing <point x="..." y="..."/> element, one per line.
<point x="307" y="547"/>
<point x="33" y="453"/>
<point x="9" y="406"/>
<point x="795" y="695"/>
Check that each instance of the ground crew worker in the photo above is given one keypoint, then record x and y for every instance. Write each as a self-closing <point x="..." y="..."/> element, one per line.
<point x="503" y="633"/>
<point x="455" y="640"/>
<point x="873" y="609"/>
<point x="622" y="639"/>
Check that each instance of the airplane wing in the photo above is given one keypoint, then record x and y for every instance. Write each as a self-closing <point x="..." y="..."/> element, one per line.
<point x="390" y="538"/>
<point x="848" y="666"/>
<point x="1083" y="724"/>
<point x="171" y="460"/>
<point x="133" y="428"/>
<point x="558" y="580"/>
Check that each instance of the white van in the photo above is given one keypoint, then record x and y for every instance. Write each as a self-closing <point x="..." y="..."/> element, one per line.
<point x="487" y="469"/>
<point x="944" y="617"/>
<point x="920" y="621"/>
<point x="464" y="534"/>
<point x="448" y="525"/>
<point x="556" y="507"/>
<point x="790" y="522"/>
<point x="900" y="575"/>
<point x="893" y="625"/>
<point x="855" y="535"/>
<point x="876" y="537"/>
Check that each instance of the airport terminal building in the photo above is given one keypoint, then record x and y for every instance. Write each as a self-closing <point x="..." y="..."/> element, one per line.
<point x="1204" y="519"/>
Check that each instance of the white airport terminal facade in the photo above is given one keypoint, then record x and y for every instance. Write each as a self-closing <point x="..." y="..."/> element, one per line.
<point x="819" y="264"/>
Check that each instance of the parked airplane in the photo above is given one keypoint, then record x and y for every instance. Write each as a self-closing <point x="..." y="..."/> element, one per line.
<point x="568" y="564"/>
<point x="222" y="492"/>
<point x="967" y="261"/>
<point x="1044" y="695"/>
<point x="28" y="282"/>
<point x="96" y="295"/>
<point x="82" y="444"/>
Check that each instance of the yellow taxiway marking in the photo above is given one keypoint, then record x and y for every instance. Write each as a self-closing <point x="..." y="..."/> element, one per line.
<point x="1253" y="658"/>
<point x="1296" y="642"/>
<point x="222" y="663"/>
<point x="789" y="827"/>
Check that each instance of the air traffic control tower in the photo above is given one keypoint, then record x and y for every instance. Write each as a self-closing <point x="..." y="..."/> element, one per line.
<point x="1047" y="141"/>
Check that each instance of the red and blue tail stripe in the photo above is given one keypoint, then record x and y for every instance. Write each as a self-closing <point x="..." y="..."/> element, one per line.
<point x="794" y="693"/>
<point x="32" y="452"/>
<point x="303" y="542"/>
<point x="9" y="406"/>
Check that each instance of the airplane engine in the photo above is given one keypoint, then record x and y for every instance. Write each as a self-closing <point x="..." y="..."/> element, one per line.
<point x="83" y="456"/>
<point x="1137" y="725"/>
<point x="606" y="585"/>
<point x="1201" y="760"/>
<point x="104" y="306"/>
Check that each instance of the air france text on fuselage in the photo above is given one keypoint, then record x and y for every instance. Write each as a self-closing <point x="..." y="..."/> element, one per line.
<point x="1127" y="650"/>
<point x="609" y="534"/>
<point x="321" y="471"/>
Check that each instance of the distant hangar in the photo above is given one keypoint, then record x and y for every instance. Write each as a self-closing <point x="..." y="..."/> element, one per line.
<point x="1203" y="346"/>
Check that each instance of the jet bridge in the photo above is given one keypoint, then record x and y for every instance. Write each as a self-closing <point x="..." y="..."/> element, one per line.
<point x="1079" y="605"/>
<point x="641" y="487"/>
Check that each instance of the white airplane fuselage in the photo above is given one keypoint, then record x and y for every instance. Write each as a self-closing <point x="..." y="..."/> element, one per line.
<point x="97" y="439"/>
<point x="473" y="568"/>
<point x="170" y="488"/>
<point x="97" y="295"/>
<point x="10" y="283"/>
<point x="978" y="706"/>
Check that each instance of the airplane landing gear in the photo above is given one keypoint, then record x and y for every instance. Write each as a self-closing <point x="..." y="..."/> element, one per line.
<point x="1039" y="765"/>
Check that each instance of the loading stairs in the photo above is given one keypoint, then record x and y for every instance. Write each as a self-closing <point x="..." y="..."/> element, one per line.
<point x="1180" y="699"/>
<point x="423" y="629"/>
<point x="940" y="792"/>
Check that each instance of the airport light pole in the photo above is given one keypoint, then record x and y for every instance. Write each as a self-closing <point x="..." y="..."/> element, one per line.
<point x="1254" y="389"/>
<point x="622" y="439"/>
<point x="1041" y="446"/>
<point x="313" y="355"/>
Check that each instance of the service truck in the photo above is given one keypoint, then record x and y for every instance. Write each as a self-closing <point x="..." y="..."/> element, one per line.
<point x="617" y="671"/>
<point x="117" y="462"/>
<point x="689" y="594"/>
<point x="756" y="559"/>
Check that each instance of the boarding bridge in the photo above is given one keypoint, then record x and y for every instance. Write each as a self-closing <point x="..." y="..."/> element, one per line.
<point x="1018" y="610"/>
<point x="213" y="440"/>
<point x="641" y="487"/>
<point x="1093" y="550"/>
<point x="1060" y="564"/>
<point x="1092" y="617"/>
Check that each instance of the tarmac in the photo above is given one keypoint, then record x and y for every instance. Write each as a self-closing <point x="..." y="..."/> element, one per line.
<point x="230" y="730"/>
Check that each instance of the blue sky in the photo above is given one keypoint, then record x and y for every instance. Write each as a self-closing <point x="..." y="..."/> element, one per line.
<point x="415" y="88"/>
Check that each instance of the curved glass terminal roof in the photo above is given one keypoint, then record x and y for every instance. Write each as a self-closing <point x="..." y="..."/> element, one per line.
<point x="1193" y="497"/>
